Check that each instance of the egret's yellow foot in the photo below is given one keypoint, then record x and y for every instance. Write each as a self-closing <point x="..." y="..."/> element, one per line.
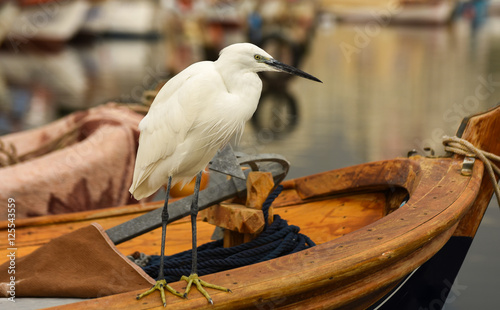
<point x="161" y="285"/>
<point x="193" y="278"/>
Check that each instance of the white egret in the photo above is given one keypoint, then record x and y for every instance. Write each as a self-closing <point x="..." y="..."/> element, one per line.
<point x="195" y="114"/>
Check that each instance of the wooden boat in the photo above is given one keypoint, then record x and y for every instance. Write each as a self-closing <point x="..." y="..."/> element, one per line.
<point x="374" y="246"/>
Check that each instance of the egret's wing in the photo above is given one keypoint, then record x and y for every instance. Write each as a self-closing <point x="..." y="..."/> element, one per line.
<point x="171" y="116"/>
<point x="162" y="129"/>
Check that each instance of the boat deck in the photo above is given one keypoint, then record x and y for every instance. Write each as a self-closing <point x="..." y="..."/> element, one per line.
<point x="322" y="220"/>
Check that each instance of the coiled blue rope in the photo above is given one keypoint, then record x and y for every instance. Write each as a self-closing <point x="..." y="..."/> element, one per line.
<point x="276" y="240"/>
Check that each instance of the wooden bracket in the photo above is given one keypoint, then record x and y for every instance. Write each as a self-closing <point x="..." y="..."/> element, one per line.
<point x="243" y="223"/>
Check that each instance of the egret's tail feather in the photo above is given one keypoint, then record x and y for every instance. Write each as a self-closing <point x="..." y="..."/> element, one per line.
<point x="141" y="191"/>
<point x="145" y="189"/>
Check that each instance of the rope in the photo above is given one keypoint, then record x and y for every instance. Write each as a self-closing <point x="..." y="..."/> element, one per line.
<point x="463" y="147"/>
<point x="276" y="240"/>
<point x="9" y="155"/>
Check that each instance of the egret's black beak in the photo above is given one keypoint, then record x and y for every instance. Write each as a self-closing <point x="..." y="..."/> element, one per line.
<point x="289" y="69"/>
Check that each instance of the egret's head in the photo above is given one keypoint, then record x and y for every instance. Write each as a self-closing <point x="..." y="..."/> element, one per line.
<point x="256" y="59"/>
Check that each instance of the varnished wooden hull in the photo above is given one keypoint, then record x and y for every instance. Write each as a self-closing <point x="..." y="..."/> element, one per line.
<point x="367" y="242"/>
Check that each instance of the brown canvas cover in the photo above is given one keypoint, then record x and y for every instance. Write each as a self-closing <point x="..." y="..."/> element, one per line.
<point x="84" y="263"/>
<point x="83" y="161"/>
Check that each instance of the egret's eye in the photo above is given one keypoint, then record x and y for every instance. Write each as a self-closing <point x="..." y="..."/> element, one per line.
<point x="257" y="57"/>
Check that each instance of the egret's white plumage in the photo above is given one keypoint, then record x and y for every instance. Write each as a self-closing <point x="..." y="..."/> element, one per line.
<point x="193" y="115"/>
<point x="196" y="113"/>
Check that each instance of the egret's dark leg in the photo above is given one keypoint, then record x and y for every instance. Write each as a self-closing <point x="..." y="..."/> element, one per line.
<point x="194" y="231"/>
<point x="161" y="283"/>
<point x="193" y="277"/>
<point x="164" y="222"/>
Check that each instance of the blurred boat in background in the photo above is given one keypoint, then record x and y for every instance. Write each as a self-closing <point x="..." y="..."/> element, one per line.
<point x="399" y="11"/>
<point x="8" y="13"/>
<point x="129" y="18"/>
<point x="61" y="74"/>
<point x="56" y="22"/>
<point x="47" y="21"/>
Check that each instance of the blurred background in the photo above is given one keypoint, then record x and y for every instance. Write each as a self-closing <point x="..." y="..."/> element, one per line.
<point x="397" y="76"/>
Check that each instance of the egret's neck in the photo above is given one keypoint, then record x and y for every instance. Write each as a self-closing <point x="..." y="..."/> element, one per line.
<point x="245" y="84"/>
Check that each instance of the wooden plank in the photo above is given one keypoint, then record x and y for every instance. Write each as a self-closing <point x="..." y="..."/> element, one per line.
<point x="482" y="131"/>
<point x="30" y="238"/>
<point x="326" y="220"/>
<point x="84" y="215"/>
<point x="235" y="217"/>
<point x="259" y="186"/>
<point x="243" y="223"/>
<point x="382" y="174"/>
